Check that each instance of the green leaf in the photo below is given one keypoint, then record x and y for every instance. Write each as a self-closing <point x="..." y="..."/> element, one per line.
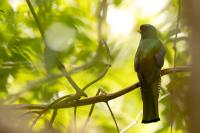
<point x="117" y="2"/>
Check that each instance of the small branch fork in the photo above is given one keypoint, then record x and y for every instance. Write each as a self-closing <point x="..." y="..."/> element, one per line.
<point x="60" y="65"/>
<point x="79" y="92"/>
<point x="99" y="92"/>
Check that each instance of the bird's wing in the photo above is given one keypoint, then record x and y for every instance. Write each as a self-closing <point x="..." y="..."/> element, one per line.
<point x="136" y="63"/>
<point x="159" y="56"/>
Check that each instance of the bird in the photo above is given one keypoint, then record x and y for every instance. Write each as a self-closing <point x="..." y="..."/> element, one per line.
<point x="149" y="59"/>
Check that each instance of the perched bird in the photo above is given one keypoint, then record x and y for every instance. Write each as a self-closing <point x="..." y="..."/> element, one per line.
<point x="149" y="59"/>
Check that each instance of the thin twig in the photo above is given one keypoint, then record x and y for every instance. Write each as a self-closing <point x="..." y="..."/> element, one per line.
<point x="132" y="123"/>
<point x="101" y="14"/>
<point x="112" y="116"/>
<point x="91" y="110"/>
<point x="53" y="118"/>
<point x="71" y="81"/>
<point x="107" y="51"/>
<point x="28" y="113"/>
<point x="60" y="65"/>
<point x="176" y="35"/>
<point x="31" y="112"/>
<point x="171" y="115"/>
<point x="104" y="93"/>
<point x="183" y="38"/>
<point x="138" y="116"/>
<point x="90" y="113"/>
<point x="60" y="99"/>
<point x="37" y="118"/>
<point x="31" y="85"/>
<point x="163" y="96"/>
<point x="36" y="19"/>
<point x="75" y="119"/>
<point x="49" y="107"/>
<point x="102" y="74"/>
<point x="175" y="55"/>
<point x="2" y="11"/>
<point x="69" y="98"/>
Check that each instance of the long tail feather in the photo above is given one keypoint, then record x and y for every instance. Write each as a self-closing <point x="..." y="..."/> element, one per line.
<point x="150" y="101"/>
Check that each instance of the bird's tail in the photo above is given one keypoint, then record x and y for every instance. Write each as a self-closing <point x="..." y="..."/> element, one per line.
<point x="150" y="102"/>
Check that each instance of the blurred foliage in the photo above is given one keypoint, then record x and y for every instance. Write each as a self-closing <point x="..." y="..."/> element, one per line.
<point x="26" y="64"/>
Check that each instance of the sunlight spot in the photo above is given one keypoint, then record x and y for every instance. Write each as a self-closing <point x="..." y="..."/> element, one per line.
<point x="120" y="20"/>
<point x="165" y="81"/>
<point x="25" y="31"/>
<point x="59" y="36"/>
<point x="151" y="7"/>
<point x="159" y="19"/>
<point x="15" y="3"/>
<point x="61" y="94"/>
<point x="10" y="79"/>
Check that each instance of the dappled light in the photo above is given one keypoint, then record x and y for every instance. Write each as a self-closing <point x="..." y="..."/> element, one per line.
<point x="59" y="36"/>
<point x="82" y="66"/>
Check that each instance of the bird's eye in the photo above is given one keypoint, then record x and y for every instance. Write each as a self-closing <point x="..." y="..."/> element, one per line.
<point x="143" y="28"/>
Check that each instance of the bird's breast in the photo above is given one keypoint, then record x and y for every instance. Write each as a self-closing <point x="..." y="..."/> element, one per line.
<point x="146" y="63"/>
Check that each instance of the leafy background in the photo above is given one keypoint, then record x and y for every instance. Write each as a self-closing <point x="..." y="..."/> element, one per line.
<point x="70" y="28"/>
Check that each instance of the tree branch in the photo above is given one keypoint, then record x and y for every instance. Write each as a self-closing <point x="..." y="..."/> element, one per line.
<point x="75" y="112"/>
<point x="176" y="35"/>
<point x="55" y="111"/>
<point x="95" y="99"/>
<point x="90" y="114"/>
<point x="36" y="19"/>
<point x="101" y="15"/>
<point x="112" y="116"/>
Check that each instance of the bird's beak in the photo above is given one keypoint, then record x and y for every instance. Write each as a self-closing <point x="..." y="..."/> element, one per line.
<point x="139" y="31"/>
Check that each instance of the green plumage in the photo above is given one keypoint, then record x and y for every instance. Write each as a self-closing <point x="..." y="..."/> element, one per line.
<point x="148" y="62"/>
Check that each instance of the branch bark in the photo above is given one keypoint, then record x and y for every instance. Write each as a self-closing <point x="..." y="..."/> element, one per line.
<point x="95" y="99"/>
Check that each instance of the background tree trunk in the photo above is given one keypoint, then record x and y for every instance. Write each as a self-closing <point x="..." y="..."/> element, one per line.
<point x="191" y="10"/>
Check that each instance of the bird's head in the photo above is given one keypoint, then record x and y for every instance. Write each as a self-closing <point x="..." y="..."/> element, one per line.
<point x="148" y="31"/>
